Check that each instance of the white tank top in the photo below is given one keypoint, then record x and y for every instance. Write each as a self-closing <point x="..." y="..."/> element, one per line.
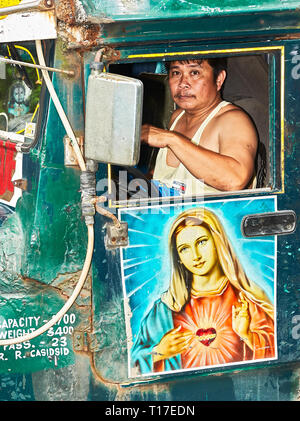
<point x="179" y="177"/>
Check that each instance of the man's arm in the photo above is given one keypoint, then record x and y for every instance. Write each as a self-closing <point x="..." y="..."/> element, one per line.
<point x="229" y="169"/>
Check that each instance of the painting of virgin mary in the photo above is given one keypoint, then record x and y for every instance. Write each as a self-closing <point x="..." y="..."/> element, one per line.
<point x="212" y="314"/>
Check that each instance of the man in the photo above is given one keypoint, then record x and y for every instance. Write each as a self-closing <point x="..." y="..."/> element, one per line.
<point x="211" y="144"/>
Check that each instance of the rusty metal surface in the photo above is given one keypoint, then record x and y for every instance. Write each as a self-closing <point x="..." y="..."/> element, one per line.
<point x="73" y="26"/>
<point x="69" y="154"/>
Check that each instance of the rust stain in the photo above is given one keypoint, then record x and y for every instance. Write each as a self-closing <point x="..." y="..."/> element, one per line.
<point x="291" y="36"/>
<point x="74" y="28"/>
<point x="79" y="36"/>
<point x="110" y="55"/>
<point x="66" y="11"/>
<point x="64" y="285"/>
<point x="288" y="37"/>
<point x="79" y="31"/>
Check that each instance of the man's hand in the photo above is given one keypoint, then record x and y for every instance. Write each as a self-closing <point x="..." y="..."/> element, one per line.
<point x="153" y="136"/>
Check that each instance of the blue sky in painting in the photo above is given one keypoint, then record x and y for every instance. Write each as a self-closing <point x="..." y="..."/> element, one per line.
<point x="145" y="262"/>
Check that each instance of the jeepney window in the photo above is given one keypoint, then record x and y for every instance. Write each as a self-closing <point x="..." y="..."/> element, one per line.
<point x="20" y="89"/>
<point x="252" y="83"/>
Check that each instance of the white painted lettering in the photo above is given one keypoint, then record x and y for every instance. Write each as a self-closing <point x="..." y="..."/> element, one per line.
<point x="296" y="69"/>
<point x="296" y="328"/>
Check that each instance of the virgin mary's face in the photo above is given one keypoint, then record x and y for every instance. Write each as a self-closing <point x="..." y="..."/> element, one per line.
<point x="196" y="249"/>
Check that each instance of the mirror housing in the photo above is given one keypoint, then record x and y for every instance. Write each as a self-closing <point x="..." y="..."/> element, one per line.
<point x="113" y="118"/>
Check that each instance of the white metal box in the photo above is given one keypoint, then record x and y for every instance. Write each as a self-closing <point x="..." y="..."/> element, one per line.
<point x="113" y="119"/>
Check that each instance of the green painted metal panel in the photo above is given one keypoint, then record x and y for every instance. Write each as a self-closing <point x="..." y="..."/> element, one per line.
<point x="136" y="22"/>
<point x="43" y="246"/>
<point x="119" y="10"/>
<point x="205" y="29"/>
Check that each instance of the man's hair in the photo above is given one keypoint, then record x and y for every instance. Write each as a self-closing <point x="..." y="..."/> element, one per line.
<point x="218" y="64"/>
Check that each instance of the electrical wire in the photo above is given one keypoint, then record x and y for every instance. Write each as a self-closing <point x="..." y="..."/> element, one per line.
<point x="69" y="302"/>
<point x="90" y="227"/>
<point x="20" y="47"/>
<point x="38" y="82"/>
<point x="59" y="107"/>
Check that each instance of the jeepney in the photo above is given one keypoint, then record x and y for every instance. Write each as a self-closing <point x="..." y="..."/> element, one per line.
<point x="84" y="231"/>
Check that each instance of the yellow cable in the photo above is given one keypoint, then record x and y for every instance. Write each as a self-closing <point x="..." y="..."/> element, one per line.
<point x="34" y="62"/>
<point x="33" y="115"/>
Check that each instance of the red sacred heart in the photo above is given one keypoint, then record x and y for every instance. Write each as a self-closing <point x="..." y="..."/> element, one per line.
<point x="206" y="336"/>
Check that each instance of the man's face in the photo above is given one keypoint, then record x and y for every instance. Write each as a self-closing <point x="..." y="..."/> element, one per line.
<point x="192" y="84"/>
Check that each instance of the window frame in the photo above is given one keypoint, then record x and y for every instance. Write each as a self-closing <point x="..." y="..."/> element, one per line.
<point x="276" y="121"/>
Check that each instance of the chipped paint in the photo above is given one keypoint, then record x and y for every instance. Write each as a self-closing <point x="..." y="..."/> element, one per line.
<point x="73" y="26"/>
<point x="66" y="11"/>
<point x="125" y="10"/>
<point x="65" y="284"/>
<point x="79" y="36"/>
